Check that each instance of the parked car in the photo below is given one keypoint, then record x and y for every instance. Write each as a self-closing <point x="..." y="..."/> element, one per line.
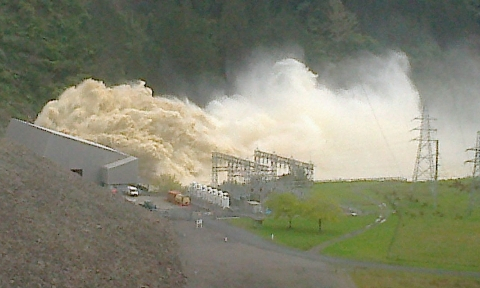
<point x="132" y="191"/>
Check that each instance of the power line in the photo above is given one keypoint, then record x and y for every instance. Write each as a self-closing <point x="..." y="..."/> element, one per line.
<point x="381" y="131"/>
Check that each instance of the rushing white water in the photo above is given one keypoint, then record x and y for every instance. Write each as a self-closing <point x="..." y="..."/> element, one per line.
<point x="363" y="130"/>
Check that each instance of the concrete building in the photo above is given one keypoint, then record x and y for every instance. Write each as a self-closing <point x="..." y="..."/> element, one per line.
<point x="94" y="162"/>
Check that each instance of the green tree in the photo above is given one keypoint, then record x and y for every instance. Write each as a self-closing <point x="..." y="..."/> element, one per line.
<point x="117" y="43"/>
<point x="316" y="207"/>
<point x="234" y="31"/>
<point x="165" y="183"/>
<point x="333" y="31"/>
<point x="42" y="45"/>
<point x="284" y="205"/>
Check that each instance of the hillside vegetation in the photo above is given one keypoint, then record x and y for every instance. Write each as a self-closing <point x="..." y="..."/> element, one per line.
<point x="182" y="46"/>
<point x="59" y="231"/>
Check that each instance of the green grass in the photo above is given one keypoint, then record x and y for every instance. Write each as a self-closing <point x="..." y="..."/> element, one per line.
<point x="304" y="233"/>
<point x="372" y="245"/>
<point x="367" y="278"/>
<point x="433" y="230"/>
<point x="440" y="243"/>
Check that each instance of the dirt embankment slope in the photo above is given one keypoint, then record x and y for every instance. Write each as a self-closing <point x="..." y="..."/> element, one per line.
<point x="59" y="231"/>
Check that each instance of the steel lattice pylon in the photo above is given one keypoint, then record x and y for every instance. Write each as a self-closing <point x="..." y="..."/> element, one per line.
<point x="475" y="175"/>
<point x="425" y="166"/>
<point x="476" y="160"/>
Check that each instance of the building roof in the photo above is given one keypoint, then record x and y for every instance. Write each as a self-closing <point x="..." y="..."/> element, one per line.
<point x="61" y="134"/>
<point x="120" y="162"/>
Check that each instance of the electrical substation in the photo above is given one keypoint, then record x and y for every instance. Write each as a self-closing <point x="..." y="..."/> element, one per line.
<point x="265" y="166"/>
<point x="248" y="180"/>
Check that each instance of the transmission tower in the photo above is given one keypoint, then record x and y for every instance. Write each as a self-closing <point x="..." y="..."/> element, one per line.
<point x="426" y="164"/>
<point x="476" y="160"/>
<point x="476" y="172"/>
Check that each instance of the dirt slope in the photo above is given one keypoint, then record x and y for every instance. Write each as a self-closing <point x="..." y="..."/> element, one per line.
<point x="58" y="231"/>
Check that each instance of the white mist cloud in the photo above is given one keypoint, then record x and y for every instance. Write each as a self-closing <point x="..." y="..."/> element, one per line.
<point x="359" y="131"/>
<point x="362" y="130"/>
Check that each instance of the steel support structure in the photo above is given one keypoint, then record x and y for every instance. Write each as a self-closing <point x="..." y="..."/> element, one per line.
<point x="475" y="173"/>
<point x="476" y="159"/>
<point x="425" y="168"/>
<point x="277" y="162"/>
<point x="238" y="170"/>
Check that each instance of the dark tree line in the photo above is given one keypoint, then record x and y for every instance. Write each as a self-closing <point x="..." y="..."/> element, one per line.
<point x="46" y="46"/>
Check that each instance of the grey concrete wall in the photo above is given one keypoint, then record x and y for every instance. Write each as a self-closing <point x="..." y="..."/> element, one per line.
<point x="124" y="171"/>
<point x="74" y="153"/>
<point x="30" y="136"/>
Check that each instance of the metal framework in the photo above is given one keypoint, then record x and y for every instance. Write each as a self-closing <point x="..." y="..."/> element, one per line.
<point x="426" y="164"/>
<point x="264" y="167"/>
<point x="476" y="159"/>
<point x="475" y="174"/>
<point x="277" y="162"/>
<point x="239" y="170"/>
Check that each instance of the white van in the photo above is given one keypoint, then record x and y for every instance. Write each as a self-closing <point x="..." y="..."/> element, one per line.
<point x="132" y="191"/>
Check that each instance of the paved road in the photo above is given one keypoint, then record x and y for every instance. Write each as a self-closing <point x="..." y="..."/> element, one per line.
<point x="341" y="263"/>
<point x="246" y="260"/>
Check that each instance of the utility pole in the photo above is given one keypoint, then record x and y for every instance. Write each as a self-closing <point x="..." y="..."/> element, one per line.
<point x="425" y="168"/>
<point x="476" y="172"/>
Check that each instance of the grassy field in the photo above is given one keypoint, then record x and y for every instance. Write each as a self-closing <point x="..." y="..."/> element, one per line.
<point x="431" y="228"/>
<point x="304" y="235"/>
<point x="427" y="225"/>
<point x="367" y="278"/>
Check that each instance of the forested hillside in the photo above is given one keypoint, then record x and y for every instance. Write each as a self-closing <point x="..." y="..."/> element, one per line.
<point x="174" y="45"/>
